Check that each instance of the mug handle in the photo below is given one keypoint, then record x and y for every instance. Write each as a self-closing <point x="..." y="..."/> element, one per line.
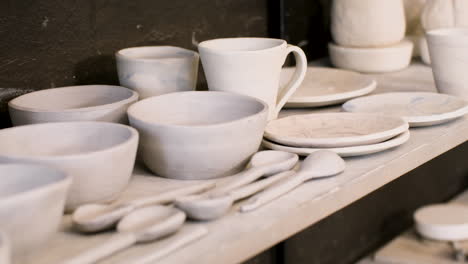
<point x="298" y="77"/>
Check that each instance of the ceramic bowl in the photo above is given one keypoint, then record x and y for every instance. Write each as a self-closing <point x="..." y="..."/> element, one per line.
<point x="372" y="60"/>
<point x="74" y="103"/>
<point x="99" y="156"/>
<point x="198" y="135"/>
<point x="32" y="199"/>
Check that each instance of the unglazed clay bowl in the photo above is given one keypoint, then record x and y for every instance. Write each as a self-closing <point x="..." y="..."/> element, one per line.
<point x="74" y="103"/>
<point x="198" y="135"/>
<point x="32" y="199"/>
<point x="99" y="156"/>
<point x="372" y="60"/>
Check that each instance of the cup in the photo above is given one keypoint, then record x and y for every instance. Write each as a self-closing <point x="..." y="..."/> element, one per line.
<point x="448" y="50"/>
<point x="156" y="70"/>
<point x="252" y="66"/>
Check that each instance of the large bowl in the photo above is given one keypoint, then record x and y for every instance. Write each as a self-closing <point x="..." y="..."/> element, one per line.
<point x="74" y="103"/>
<point x="99" y="156"/>
<point x="32" y="199"/>
<point x="198" y="135"/>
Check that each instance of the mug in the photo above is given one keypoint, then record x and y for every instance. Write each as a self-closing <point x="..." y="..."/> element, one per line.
<point x="252" y="66"/>
<point x="156" y="70"/>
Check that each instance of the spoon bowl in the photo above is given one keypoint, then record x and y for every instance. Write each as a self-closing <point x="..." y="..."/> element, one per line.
<point x="201" y="207"/>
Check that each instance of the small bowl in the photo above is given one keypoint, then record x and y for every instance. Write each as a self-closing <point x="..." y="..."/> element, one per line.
<point x="198" y="135"/>
<point x="74" y="103"/>
<point x="99" y="156"/>
<point x="32" y="199"/>
<point x="372" y="60"/>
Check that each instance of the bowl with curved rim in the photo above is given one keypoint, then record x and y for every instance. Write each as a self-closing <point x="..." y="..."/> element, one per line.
<point x="32" y="199"/>
<point x="198" y="135"/>
<point x="73" y="103"/>
<point x="99" y="156"/>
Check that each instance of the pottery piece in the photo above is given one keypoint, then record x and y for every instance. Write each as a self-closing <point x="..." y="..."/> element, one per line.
<point x="252" y="66"/>
<point x="327" y="86"/>
<point x="73" y="103"/>
<point x="322" y="163"/>
<point x="99" y="156"/>
<point x="331" y="130"/>
<point x="5" y="249"/>
<point x="444" y="14"/>
<point x="448" y="49"/>
<point x="345" y="151"/>
<point x="414" y="30"/>
<point x="445" y="222"/>
<point x="372" y="60"/>
<point x="424" y="51"/>
<point x="198" y="135"/>
<point x="156" y="70"/>
<point x="32" y="199"/>
<point x="367" y="23"/>
<point x="141" y="226"/>
<point x="417" y="108"/>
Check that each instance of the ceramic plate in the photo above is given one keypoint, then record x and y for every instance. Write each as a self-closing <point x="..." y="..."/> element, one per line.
<point x="327" y="86"/>
<point x="419" y="109"/>
<point x="331" y="130"/>
<point x="346" y="151"/>
<point x="446" y="222"/>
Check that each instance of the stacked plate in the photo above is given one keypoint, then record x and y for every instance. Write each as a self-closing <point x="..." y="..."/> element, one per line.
<point x="347" y="134"/>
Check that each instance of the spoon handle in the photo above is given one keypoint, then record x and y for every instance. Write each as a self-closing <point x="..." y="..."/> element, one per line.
<point x="239" y="180"/>
<point x="113" y="245"/>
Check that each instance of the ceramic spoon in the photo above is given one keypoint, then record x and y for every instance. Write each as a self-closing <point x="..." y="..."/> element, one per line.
<point x="97" y="217"/>
<point x="142" y="225"/>
<point x="209" y="207"/>
<point x="262" y="163"/>
<point x="322" y="163"/>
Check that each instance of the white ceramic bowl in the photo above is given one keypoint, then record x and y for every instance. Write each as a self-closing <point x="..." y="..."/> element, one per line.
<point x="32" y="199"/>
<point x="74" y="103"/>
<point x="99" y="156"/>
<point x="198" y="135"/>
<point x="372" y="60"/>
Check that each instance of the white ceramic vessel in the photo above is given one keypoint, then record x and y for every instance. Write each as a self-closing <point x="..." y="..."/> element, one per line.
<point x="32" y="199"/>
<point x="73" y="103"/>
<point x="327" y="86"/>
<point x="98" y="156"/>
<point x="252" y="66"/>
<point x="156" y="70"/>
<point x="198" y="135"/>
<point x="424" y="50"/>
<point x="445" y="222"/>
<point x="439" y="14"/>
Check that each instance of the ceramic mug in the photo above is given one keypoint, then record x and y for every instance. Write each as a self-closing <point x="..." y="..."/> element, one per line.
<point x="252" y="66"/>
<point x="448" y="50"/>
<point x="156" y="70"/>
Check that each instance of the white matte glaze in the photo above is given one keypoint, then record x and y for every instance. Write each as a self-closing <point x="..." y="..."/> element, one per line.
<point x="445" y="222"/>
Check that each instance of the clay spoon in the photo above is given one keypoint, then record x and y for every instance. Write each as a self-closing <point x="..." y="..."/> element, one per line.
<point x="140" y="226"/>
<point x="321" y="163"/>
<point x="262" y="163"/>
<point x="210" y="207"/>
<point x="97" y="217"/>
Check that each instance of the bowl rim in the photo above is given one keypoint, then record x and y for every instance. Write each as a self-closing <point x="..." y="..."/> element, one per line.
<point x="131" y="115"/>
<point x="133" y="98"/>
<point x="120" y="54"/>
<point x="403" y="45"/>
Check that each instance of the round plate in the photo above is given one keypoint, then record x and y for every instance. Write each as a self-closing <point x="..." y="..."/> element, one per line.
<point x="327" y="86"/>
<point x="446" y="222"/>
<point x="331" y="130"/>
<point x="346" y="151"/>
<point x="419" y="109"/>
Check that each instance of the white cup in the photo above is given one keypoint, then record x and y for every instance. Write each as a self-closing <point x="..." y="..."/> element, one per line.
<point x="448" y="50"/>
<point x="156" y="70"/>
<point x="252" y="66"/>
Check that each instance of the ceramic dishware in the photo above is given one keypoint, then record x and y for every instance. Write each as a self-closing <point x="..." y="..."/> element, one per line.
<point x="5" y="249"/>
<point x="448" y="50"/>
<point x="252" y="66"/>
<point x="210" y="207"/>
<point x="445" y="222"/>
<point x="332" y="130"/>
<point x="322" y="163"/>
<point x="32" y="199"/>
<point x="97" y="217"/>
<point x="140" y="226"/>
<point x="417" y="108"/>
<point x="99" y="156"/>
<point x="424" y="50"/>
<point x="327" y="86"/>
<point x="198" y="135"/>
<point x="73" y="103"/>
<point x="156" y="70"/>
